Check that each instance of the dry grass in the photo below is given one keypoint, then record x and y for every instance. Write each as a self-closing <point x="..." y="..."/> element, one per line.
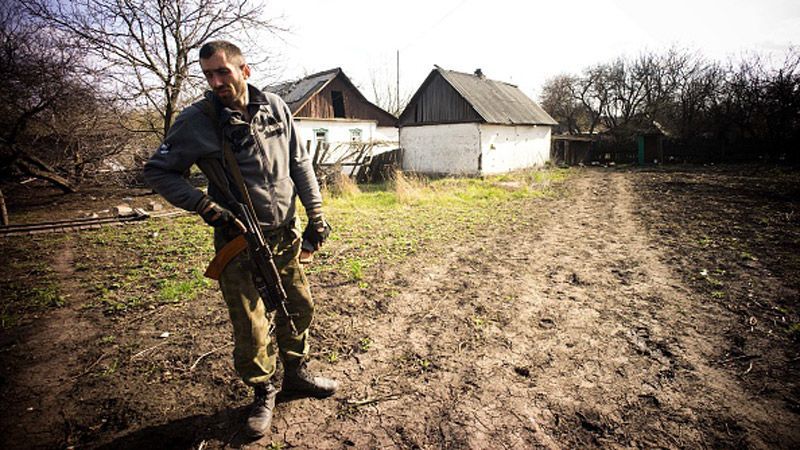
<point x="340" y="185"/>
<point x="408" y="188"/>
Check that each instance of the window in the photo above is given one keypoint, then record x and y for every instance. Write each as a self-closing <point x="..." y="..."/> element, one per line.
<point x="321" y="134"/>
<point x="338" y="103"/>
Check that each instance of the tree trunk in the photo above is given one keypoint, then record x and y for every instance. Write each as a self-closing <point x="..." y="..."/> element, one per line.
<point x="37" y="168"/>
<point x="3" y="210"/>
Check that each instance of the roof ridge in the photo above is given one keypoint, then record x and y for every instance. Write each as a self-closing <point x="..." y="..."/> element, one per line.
<point x="323" y="72"/>
<point x="441" y="69"/>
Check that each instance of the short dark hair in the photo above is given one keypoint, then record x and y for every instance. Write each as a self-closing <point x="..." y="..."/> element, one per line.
<point x="232" y="52"/>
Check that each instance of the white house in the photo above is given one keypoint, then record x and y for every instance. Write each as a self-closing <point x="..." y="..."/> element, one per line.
<point x="329" y="109"/>
<point x="466" y="124"/>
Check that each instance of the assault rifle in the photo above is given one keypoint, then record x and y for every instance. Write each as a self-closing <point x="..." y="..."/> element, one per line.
<point x="266" y="276"/>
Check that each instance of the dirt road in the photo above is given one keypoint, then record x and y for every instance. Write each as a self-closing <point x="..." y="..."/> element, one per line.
<point x="563" y="329"/>
<point x="571" y="326"/>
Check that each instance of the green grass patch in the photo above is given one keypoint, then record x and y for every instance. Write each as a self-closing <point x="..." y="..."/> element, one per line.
<point x="393" y="220"/>
<point x="182" y="288"/>
<point x="28" y="283"/>
<point x="152" y="263"/>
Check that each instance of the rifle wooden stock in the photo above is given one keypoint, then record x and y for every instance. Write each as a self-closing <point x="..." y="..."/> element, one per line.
<point x="225" y="255"/>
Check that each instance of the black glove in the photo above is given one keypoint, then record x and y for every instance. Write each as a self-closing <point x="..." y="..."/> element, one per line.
<point x="215" y="215"/>
<point x="317" y="230"/>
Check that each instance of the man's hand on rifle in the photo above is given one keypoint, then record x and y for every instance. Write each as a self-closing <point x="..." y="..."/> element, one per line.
<point x="217" y="216"/>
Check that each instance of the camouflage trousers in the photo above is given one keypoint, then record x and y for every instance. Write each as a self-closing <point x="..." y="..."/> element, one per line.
<point x="254" y="355"/>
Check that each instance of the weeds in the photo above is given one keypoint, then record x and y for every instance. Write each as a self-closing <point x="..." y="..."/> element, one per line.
<point x="28" y="283"/>
<point x="356" y="269"/>
<point x="110" y="369"/>
<point x="182" y="288"/>
<point x="340" y="185"/>
<point x="8" y="320"/>
<point x="794" y="331"/>
<point x="408" y="189"/>
<point x="705" y="241"/>
<point x="333" y="357"/>
<point x="157" y="262"/>
<point x="364" y="344"/>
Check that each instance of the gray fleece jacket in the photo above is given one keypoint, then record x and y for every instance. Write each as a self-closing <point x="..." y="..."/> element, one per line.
<point x="275" y="165"/>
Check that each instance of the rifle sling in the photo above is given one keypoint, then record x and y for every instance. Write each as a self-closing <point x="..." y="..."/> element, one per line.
<point x="233" y="165"/>
<point x="215" y="173"/>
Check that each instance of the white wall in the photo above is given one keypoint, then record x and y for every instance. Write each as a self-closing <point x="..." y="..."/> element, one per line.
<point x="338" y="130"/>
<point x="451" y="148"/>
<point x="510" y="147"/>
<point x="386" y="138"/>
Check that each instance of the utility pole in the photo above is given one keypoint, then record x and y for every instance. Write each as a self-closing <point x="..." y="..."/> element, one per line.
<point x="397" y="90"/>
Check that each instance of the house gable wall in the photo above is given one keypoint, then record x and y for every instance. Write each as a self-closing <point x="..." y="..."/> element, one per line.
<point x="438" y="102"/>
<point x="321" y="106"/>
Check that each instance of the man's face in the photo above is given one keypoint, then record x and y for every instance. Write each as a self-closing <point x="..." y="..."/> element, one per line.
<point x="227" y="78"/>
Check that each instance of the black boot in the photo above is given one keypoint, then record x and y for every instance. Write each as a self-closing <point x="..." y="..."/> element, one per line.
<point x="297" y="382"/>
<point x="260" y="416"/>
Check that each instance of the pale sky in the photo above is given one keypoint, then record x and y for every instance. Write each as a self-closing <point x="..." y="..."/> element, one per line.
<point x="521" y="42"/>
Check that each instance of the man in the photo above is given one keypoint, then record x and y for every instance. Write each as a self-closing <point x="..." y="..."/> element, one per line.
<point x="276" y="169"/>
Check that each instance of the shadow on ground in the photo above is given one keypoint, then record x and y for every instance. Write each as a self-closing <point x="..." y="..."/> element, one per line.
<point x="223" y="427"/>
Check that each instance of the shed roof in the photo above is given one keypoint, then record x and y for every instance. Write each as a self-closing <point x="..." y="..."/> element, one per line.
<point x="297" y="93"/>
<point x="497" y="102"/>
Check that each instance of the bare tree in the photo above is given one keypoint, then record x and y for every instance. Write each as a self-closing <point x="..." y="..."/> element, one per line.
<point x="660" y="76"/>
<point x="146" y="46"/>
<point x="744" y="110"/>
<point x="39" y="71"/>
<point x="384" y="91"/>
<point x="696" y="93"/>
<point x="54" y="124"/>
<point x="782" y="107"/>
<point x="559" y="100"/>
<point x="593" y="91"/>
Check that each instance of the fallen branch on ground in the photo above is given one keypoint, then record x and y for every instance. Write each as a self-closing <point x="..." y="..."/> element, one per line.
<point x="371" y="400"/>
<point x="91" y="366"/>
<point x="197" y="361"/>
<point x="147" y="350"/>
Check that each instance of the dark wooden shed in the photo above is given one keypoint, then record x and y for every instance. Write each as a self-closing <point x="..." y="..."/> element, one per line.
<point x="650" y="147"/>
<point x="330" y="95"/>
<point x="571" y="150"/>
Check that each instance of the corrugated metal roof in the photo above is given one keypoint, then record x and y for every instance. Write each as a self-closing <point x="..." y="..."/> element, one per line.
<point x="496" y="101"/>
<point x="296" y="93"/>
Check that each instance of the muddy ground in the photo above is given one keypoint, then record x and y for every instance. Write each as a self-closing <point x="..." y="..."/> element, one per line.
<point x="636" y="309"/>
